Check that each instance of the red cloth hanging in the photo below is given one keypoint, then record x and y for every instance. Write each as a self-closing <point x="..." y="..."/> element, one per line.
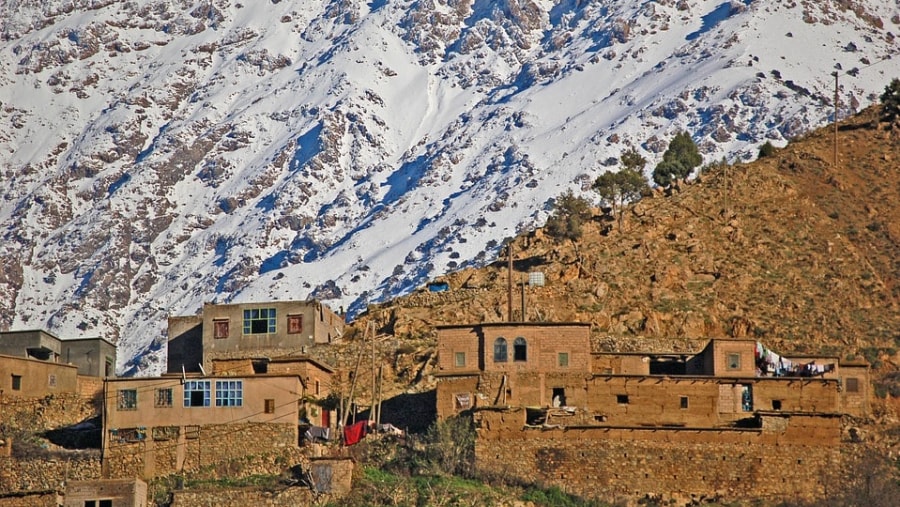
<point x="355" y="432"/>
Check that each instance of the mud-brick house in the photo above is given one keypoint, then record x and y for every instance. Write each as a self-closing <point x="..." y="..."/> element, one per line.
<point x="162" y="425"/>
<point x="35" y="364"/>
<point x="94" y="357"/>
<point x="525" y="364"/>
<point x="31" y="378"/>
<point x="550" y="366"/>
<point x="315" y="376"/>
<point x="735" y="420"/>
<point x="239" y="330"/>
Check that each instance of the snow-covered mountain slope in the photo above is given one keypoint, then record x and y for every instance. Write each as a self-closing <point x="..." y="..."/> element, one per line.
<point x="158" y="154"/>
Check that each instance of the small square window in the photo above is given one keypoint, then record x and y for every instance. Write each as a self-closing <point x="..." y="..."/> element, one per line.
<point x="51" y="380"/>
<point x="776" y="404"/>
<point x="295" y="324"/>
<point x="163" y="398"/>
<point x="733" y="361"/>
<point x="622" y="399"/>
<point x="127" y="399"/>
<point x="16" y="382"/>
<point x="463" y="401"/>
<point x="563" y="359"/>
<point x="460" y="359"/>
<point x="852" y="385"/>
<point x="684" y="402"/>
<point x="221" y="329"/>
<point x="192" y="432"/>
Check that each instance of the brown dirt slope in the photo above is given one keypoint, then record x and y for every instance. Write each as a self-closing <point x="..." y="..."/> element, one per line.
<point x="790" y="249"/>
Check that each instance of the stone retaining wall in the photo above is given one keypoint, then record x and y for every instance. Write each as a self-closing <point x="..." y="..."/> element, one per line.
<point x="43" y="473"/>
<point x="221" y="448"/>
<point x="626" y="464"/>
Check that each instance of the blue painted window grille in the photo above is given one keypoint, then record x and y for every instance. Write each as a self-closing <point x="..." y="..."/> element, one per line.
<point x="229" y="393"/>
<point x="196" y="393"/>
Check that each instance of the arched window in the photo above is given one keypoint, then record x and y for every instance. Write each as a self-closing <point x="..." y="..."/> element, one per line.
<point x="520" y="350"/>
<point x="500" y="354"/>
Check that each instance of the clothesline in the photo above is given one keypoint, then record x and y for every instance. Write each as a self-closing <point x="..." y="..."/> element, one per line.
<point x="770" y="364"/>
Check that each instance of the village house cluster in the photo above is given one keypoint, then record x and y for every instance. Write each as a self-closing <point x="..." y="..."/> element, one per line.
<point x="546" y="407"/>
<point x="234" y="371"/>
<point x="724" y="421"/>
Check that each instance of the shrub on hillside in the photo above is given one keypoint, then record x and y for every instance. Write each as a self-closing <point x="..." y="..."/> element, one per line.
<point x="766" y="150"/>
<point x="890" y="102"/>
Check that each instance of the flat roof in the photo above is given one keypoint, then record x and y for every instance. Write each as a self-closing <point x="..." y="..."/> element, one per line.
<point x="513" y="324"/>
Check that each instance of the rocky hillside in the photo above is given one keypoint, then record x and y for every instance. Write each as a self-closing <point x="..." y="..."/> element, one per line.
<point x="790" y="250"/>
<point x="160" y="154"/>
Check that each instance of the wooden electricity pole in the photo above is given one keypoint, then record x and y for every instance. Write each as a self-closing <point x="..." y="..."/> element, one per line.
<point x="836" y="98"/>
<point x="509" y="289"/>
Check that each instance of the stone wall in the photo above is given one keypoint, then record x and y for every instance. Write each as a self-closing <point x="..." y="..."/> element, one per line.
<point x="217" y="448"/>
<point x="616" y="464"/>
<point x="46" y="471"/>
<point x="287" y="497"/>
<point x="41" y="499"/>
<point x="48" y="412"/>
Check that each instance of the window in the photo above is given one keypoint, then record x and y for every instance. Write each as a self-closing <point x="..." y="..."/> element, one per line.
<point x="559" y="397"/>
<point x="852" y="385"/>
<point x="295" y="324"/>
<point x="163" y="398"/>
<point x="51" y="380"/>
<point x="16" y="382"/>
<point x="196" y="393"/>
<point x="463" y="401"/>
<point x="684" y="402"/>
<point x="622" y="399"/>
<point x="776" y="404"/>
<point x="127" y="399"/>
<point x="520" y="349"/>
<point x="733" y="361"/>
<point x="129" y="434"/>
<point x="108" y="371"/>
<point x="500" y="353"/>
<point x="563" y="359"/>
<point x="460" y="359"/>
<point x="165" y="432"/>
<point x="317" y="387"/>
<point x="220" y="328"/>
<point x="229" y="393"/>
<point x="192" y="432"/>
<point x="259" y="321"/>
<point x="270" y="406"/>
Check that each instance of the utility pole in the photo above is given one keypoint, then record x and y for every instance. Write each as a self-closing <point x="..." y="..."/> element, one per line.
<point x="509" y="280"/>
<point x="836" y="98"/>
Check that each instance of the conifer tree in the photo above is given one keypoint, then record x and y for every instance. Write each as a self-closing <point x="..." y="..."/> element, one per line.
<point x="681" y="157"/>
<point x="623" y="186"/>
<point x="890" y="102"/>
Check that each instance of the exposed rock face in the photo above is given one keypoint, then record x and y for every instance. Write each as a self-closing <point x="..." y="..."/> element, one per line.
<point x="788" y="250"/>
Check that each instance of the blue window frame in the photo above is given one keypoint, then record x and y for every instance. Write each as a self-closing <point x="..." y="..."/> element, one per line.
<point x="229" y="393"/>
<point x="500" y="353"/>
<point x="196" y="393"/>
<point x="259" y="321"/>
